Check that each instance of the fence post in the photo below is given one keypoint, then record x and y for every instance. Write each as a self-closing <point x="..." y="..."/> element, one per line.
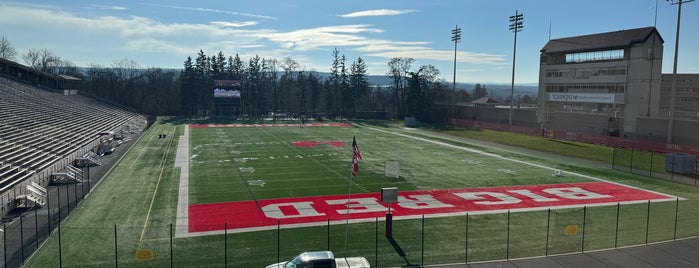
<point x="613" y="156"/>
<point x="171" y="260"/>
<point x="225" y="244"/>
<point x="672" y="171"/>
<point x="21" y="235"/>
<point x="582" y="246"/>
<point x="116" y="251"/>
<point x="328" y="234"/>
<point x="631" y="165"/>
<point x="647" y="221"/>
<point x="60" y="251"/>
<point x="48" y="209"/>
<point x="376" y="243"/>
<point x="507" y="251"/>
<point x="650" y="169"/>
<point x="4" y="244"/>
<point x="466" y="260"/>
<point x="82" y="184"/>
<point x="677" y="208"/>
<point x="422" y="246"/>
<point x="548" y="228"/>
<point x="75" y="190"/>
<point x="616" y="229"/>
<point x="278" y="241"/>
<point x="67" y="199"/>
<point x="36" y="228"/>
<point x="58" y="194"/>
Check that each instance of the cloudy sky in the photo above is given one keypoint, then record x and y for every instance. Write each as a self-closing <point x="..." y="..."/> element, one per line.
<point x="163" y="33"/>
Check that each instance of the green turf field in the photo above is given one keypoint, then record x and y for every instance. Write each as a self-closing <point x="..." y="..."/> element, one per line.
<point x="135" y="206"/>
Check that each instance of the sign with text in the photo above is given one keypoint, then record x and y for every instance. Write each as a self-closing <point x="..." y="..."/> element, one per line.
<point x="582" y="97"/>
<point x="253" y="215"/>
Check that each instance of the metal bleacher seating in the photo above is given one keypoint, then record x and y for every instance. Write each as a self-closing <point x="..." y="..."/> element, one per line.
<point x="39" y="128"/>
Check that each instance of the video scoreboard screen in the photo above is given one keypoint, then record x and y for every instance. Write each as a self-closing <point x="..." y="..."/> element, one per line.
<point x="226" y="89"/>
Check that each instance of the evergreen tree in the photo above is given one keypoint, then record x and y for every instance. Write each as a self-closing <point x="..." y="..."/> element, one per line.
<point x="479" y="91"/>
<point x="358" y="83"/>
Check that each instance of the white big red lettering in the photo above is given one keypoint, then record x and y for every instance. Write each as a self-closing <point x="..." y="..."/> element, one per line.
<point x="303" y="209"/>
<point x="421" y="201"/>
<point x="358" y="205"/>
<point x="504" y="198"/>
<point x="533" y="196"/>
<point x="575" y="193"/>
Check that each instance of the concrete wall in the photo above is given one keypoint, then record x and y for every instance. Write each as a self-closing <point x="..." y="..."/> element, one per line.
<point x="648" y="128"/>
<point x="655" y="129"/>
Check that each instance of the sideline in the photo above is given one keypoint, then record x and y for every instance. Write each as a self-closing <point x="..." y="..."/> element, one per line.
<point x="182" y="162"/>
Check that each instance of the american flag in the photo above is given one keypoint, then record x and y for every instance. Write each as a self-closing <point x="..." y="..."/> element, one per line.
<point x="356" y="156"/>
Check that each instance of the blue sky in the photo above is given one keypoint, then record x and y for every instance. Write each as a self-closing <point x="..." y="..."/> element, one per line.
<point x="163" y="33"/>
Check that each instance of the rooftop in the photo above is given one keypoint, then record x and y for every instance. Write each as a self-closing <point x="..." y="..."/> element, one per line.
<point x="600" y="41"/>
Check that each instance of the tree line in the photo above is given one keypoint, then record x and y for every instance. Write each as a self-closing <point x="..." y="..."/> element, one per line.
<point x="268" y="85"/>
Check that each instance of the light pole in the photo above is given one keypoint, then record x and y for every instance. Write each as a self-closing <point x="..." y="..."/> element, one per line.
<point x="456" y="38"/>
<point x="673" y="91"/>
<point x="515" y="26"/>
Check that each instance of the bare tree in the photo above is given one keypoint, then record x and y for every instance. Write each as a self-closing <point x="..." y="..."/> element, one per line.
<point x="6" y="50"/>
<point x="42" y="60"/>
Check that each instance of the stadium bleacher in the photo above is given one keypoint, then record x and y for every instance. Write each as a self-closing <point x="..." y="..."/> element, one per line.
<point x="40" y="129"/>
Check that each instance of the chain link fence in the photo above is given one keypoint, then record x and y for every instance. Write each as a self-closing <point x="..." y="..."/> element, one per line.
<point x="414" y="242"/>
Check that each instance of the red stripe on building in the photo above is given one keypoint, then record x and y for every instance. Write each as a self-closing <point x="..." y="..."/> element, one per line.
<point x="319" y="209"/>
<point x="267" y="125"/>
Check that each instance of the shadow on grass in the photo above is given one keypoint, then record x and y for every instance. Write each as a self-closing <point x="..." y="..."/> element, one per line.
<point x="400" y="252"/>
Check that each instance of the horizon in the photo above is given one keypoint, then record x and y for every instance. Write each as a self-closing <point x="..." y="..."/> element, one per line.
<point x="161" y="34"/>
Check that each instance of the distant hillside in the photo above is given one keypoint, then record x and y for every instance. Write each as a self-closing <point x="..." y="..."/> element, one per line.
<point x="495" y="90"/>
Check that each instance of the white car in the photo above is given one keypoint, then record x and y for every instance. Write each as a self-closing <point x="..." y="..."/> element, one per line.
<point x="322" y="259"/>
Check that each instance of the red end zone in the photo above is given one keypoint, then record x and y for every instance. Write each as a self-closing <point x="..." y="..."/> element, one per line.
<point x="249" y="215"/>
<point x="268" y="125"/>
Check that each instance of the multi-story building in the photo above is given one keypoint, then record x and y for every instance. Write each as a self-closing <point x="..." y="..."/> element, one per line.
<point x="600" y="83"/>
<point x="686" y="96"/>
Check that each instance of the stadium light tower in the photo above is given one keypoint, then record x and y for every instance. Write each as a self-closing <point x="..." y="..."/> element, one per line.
<point x="456" y="38"/>
<point x="671" y="111"/>
<point x="515" y="26"/>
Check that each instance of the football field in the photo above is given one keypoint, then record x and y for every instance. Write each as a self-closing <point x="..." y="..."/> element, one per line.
<point x="245" y="195"/>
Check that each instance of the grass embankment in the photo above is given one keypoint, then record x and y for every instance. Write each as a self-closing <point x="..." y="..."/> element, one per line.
<point x="619" y="158"/>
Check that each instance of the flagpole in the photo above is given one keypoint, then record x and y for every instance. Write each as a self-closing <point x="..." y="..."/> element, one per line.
<point x="349" y="194"/>
<point x="356" y="156"/>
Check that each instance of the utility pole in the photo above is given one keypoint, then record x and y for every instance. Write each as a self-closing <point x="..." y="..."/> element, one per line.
<point x="456" y="38"/>
<point x="515" y="26"/>
<point x="673" y="92"/>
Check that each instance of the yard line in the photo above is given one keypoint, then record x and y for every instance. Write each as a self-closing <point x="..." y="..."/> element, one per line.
<point x="511" y="159"/>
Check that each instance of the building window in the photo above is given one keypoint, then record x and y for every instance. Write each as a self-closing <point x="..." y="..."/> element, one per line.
<point x="595" y="56"/>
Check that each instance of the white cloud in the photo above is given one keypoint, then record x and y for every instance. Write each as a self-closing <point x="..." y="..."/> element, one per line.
<point x="377" y="12"/>
<point x="321" y="37"/>
<point x="444" y="55"/>
<point x="235" y="24"/>
<point x="108" y="7"/>
<point x="99" y="40"/>
<point x="211" y="10"/>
